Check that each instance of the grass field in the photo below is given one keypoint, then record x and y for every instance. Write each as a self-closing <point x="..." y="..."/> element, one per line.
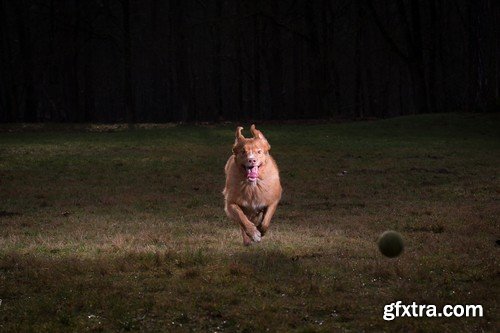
<point x="125" y="230"/>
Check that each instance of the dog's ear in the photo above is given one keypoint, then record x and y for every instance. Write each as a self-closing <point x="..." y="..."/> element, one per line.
<point x="238" y="138"/>
<point x="258" y="135"/>
<point x="238" y="135"/>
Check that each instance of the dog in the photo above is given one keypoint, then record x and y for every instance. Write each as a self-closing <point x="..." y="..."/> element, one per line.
<point x="253" y="188"/>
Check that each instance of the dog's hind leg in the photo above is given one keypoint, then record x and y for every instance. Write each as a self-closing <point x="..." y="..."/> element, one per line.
<point x="257" y="218"/>
<point x="268" y="215"/>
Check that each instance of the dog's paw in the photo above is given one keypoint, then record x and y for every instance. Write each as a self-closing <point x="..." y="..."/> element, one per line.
<point x="256" y="237"/>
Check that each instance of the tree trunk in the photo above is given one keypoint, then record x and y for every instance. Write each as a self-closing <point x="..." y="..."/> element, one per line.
<point x="88" y="76"/>
<point x="432" y="55"/>
<point x="256" y="63"/>
<point x="181" y="69"/>
<point x="275" y="66"/>
<point x="313" y="92"/>
<point x="26" y="55"/>
<point x="217" y="65"/>
<point x="417" y="64"/>
<point x="242" y="109"/>
<point x="77" y="115"/>
<point x="128" y="89"/>
<point x="10" y="105"/>
<point x="358" y="89"/>
<point x="298" y="73"/>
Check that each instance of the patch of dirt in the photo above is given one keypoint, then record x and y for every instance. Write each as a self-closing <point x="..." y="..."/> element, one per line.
<point x="4" y="213"/>
<point x="440" y="170"/>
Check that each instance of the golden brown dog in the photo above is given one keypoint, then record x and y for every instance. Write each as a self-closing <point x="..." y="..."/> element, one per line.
<point x="253" y="187"/>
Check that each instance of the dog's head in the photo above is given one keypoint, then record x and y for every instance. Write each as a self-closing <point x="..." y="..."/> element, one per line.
<point x="251" y="154"/>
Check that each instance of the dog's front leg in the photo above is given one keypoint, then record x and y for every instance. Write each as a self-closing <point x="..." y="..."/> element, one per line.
<point x="236" y="213"/>
<point x="268" y="215"/>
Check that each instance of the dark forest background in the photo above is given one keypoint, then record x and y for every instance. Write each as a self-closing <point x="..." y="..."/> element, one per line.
<point x="201" y="60"/>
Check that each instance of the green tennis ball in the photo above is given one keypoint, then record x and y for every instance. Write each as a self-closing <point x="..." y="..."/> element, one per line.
<point x="390" y="243"/>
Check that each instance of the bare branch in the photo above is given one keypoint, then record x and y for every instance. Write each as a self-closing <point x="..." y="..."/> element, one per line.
<point x="385" y="34"/>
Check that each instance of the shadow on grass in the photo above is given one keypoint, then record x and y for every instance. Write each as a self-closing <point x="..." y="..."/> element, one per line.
<point x="265" y="263"/>
<point x="128" y="291"/>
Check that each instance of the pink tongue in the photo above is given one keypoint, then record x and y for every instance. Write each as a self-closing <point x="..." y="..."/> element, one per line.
<point x="253" y="172"/>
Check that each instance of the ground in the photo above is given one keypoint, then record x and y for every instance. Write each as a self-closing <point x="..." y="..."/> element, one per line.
<point x="116" y="230"/>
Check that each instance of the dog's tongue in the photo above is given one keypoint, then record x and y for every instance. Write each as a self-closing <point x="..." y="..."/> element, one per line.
<point x="253" y="172"/>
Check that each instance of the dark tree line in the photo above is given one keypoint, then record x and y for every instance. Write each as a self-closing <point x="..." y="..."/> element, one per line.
<point x="212" y="60"/>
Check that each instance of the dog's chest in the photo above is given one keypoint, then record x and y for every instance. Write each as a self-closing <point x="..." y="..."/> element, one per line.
<point x="254" y="199"/>
<point x="255" y="206"/>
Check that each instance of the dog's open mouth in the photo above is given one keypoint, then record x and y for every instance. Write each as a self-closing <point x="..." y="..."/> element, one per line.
<point x="252" y="172"/>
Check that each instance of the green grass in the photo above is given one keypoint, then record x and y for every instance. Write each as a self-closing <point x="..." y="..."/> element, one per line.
<point x="125" y="230"/>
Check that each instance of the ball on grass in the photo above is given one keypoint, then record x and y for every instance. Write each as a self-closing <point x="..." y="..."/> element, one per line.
<point x="390" y="243"/>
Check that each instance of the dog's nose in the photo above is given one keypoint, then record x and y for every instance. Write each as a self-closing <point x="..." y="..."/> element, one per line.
<point x="252" y="160"/>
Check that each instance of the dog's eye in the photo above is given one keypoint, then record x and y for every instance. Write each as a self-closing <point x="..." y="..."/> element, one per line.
<point x="259" y="151"/>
